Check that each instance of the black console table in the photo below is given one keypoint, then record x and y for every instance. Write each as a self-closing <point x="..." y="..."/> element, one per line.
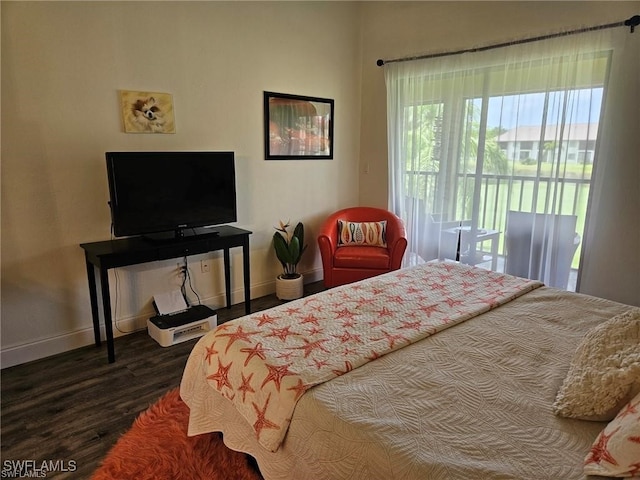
<point x="136" y="250"/>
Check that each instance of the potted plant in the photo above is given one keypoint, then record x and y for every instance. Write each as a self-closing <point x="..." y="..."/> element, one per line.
<point x="289" y="248"/>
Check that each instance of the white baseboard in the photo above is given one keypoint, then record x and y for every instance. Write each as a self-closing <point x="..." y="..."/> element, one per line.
<point x="27" y="352"/>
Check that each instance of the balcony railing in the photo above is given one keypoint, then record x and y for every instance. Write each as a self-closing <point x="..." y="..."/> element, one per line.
<point x="498" y="195"/>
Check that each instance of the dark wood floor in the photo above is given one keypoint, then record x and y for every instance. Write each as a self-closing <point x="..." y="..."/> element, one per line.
<point x="74" y="406"/>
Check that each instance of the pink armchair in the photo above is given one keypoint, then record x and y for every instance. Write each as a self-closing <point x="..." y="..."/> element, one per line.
<point x="350" y="263"/>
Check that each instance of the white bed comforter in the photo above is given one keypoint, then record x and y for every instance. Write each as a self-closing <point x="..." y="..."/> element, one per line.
<point x="473" y="401"/>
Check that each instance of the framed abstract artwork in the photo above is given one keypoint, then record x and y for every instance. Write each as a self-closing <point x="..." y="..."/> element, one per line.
<point x="297" y="127"/>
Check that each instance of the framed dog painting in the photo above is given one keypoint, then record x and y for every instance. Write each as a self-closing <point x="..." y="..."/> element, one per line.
<point x="147" y="112"/>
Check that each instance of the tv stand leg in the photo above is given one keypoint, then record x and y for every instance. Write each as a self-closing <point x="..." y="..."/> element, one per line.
<point x="247" y="274"/>
<point x="93" y="295"/>
<point x="227" y="277"/>
<point x="106" y="306"/>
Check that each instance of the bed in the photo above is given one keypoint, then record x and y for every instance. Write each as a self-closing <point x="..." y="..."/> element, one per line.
<point x="465" y="390"/>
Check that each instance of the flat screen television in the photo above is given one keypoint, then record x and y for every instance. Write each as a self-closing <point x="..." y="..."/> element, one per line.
<point x="170" y="194"/>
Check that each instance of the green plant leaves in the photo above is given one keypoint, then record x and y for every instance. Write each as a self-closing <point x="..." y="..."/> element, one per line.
<point x="289" y="250"/>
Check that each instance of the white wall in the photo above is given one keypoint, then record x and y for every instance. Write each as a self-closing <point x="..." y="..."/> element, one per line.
<point x="62" y="65"/>
<point x="400" y="29"/>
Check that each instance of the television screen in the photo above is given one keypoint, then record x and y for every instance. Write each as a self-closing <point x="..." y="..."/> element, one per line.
<point x="153" y="192"/>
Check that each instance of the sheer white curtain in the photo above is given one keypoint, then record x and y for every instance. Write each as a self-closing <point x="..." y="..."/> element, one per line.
<point x="491" y="153"/>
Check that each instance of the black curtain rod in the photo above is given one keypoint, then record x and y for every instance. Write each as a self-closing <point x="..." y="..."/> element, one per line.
<point x="631" y="22"/>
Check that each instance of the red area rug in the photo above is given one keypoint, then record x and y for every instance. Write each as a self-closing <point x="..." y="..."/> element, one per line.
<point x="157" y="448"/>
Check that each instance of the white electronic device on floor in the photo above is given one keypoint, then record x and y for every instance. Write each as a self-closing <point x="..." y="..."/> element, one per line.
<point x="175" y="328"/>
<point x="176" y="322"/>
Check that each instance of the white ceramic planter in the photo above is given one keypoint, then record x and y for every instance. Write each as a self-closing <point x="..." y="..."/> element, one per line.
<point x="289" y="288"/>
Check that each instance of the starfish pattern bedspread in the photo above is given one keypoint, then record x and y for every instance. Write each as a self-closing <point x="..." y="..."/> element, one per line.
<point x="264" y="362"/>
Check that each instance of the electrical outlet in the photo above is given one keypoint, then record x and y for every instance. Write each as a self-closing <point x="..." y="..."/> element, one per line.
<point x="204" y="266"/>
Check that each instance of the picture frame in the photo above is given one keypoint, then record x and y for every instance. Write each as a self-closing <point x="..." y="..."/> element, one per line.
<point x="297" y="127"/>
<point x="147" y="112"/>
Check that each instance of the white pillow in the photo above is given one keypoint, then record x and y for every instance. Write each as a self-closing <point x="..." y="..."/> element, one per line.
<point x="604" y="373"/>
<point x="616" y="451"/>
<point x="372" y="234"/>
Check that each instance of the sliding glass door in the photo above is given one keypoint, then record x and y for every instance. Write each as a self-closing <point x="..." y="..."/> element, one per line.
<point x="491" y="155"/>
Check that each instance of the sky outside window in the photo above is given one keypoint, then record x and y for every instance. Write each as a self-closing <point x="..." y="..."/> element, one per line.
<point x="506" y="112"/>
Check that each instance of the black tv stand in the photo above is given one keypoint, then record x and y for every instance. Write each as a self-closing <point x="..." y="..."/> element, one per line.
<point x="108" y="254"/>
<point x="180" y="234"/>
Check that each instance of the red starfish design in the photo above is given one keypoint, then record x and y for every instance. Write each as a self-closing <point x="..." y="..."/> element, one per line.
<point x="429" y="309"/>
<point x="256" y="351"/>
<point x="246" y="386"/>
<point x="311" y="318"/>
<point x="346" y="296"/>
<point x="210" y="353"/>
<point x="320" y="363"/>
<point x="308" y="346"/>
<point x="415" y="325"/>
<point x="437" y="286"/>
<point x="262" y="422"/>
<point x="374" y="355"/>
<point x="276" y="374"/>
<point x="391" y="338"/>
<point x="395" y="299"/>
<point x="315" y="331"/>
<point x="299" y="388"/>
<point x="499" y="281"/>
<point x="347" y="368"/>
<point x="600" y="451"/>
<point x="348" y="352"/>
<point x="239" y="334"/>
<point x="452" y="302"/>
<point x="348" y="336"/>
<point x="445" y="277"/>
<point x="629" y="409"/>
<point x="221" y="377"/>
<point x="265" y="319"/>
<point x="385" y="312"/>
<point x="292" y="311"/>
<point x="285" y="355"/>
<point x="491" y="301"/>
<point x="375" y="323"/>
<point x="634" y="468"/>
<point x="344" y="313"/>
<point x="422" y="298"/>
<point x="281" y="333"/>
<point x="349" y="323"/>
<point x="362" y="301"/>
